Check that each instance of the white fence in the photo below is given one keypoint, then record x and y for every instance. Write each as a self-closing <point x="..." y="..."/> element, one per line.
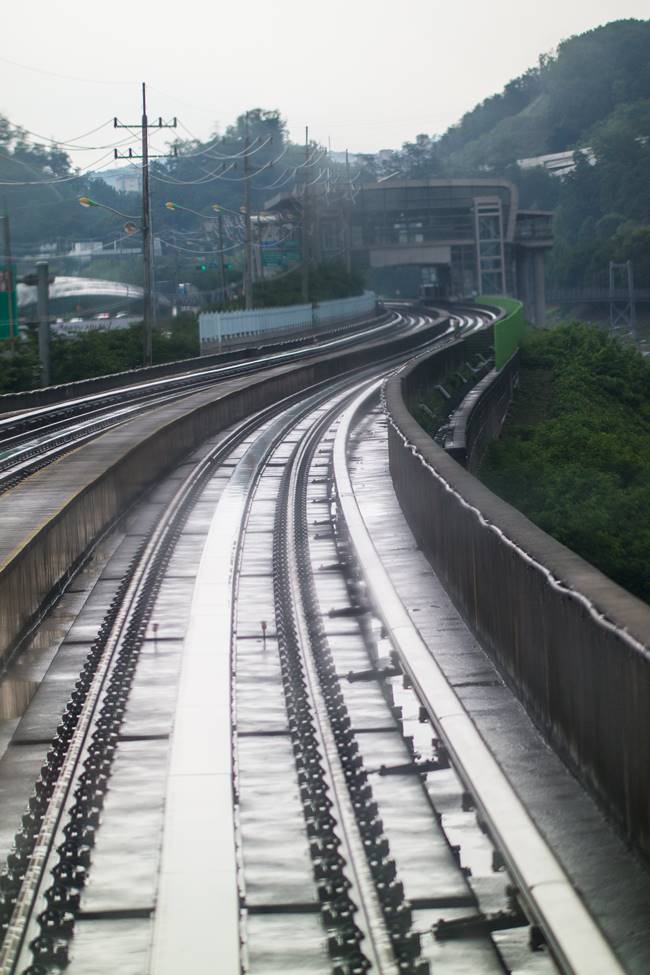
<point x="237" y="325"/>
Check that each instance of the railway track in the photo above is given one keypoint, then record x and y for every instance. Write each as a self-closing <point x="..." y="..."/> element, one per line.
<point x="296" y="763"/>
<point x="32" y="439"/>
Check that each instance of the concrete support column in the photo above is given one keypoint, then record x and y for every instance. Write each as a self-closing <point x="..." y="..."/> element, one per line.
<point x="524" y="282"/>
<point x="539" y="288"/>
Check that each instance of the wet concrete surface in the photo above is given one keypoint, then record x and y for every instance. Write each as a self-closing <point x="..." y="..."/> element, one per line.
<point x="612" y="880"/>
<point x="127" y="853"/>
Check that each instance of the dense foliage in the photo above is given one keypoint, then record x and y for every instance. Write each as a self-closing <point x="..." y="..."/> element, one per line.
<point x="41" y="191"/>
<point x="43" y="188"/>
<point x="97" y="353"/>
<point x="554" y="106"/>
<point x="326" y="281"/>
<point x="575" y="454"/>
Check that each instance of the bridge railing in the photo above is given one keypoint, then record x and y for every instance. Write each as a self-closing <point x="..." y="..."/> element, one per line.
<point x="595" y="294"/>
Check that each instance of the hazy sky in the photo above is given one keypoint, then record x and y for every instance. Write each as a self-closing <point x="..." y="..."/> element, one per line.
<point x="367" y="74"/>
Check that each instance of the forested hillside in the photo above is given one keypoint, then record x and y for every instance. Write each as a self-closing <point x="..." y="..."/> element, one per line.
<point x="575" y="453"/>
<point x="41" y="187"/>
<point x="555" y="105"/>
<point x="594" y="91"/>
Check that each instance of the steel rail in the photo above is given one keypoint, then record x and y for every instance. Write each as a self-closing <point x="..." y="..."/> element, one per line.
<point x="576" y="942"/>
<point x="64" y="759"/>
<point x="132" y="591"/>
<point x="369" y="915"/>
<point x="23" y="454"/>
<point x="202" y="374"/>
<point x="27" y="451"/>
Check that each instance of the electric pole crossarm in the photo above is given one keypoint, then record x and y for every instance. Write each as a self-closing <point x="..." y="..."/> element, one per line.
<point x="149" y="309"/>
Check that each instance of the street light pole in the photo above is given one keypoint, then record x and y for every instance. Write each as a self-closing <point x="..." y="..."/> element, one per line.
<point x="222" y="260"/>
<point x="305" y="240"/>
<point x="347" y="216"/>
<point x="43" y="313"/>
<point x="149" y="310"/>
<point x="248" y="264"/>
<point x="9" y="274"/>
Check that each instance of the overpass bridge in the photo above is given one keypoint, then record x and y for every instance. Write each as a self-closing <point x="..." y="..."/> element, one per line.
<point x="265" y="650"/>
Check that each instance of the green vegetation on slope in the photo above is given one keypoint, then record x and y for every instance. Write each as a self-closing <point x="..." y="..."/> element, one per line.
<point x="554" y="106"/>
<point x="574" y="455"/>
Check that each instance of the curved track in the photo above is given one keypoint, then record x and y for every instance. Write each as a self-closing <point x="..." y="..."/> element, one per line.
<point x="31" y="439"/>
<point x="290" y="773"/>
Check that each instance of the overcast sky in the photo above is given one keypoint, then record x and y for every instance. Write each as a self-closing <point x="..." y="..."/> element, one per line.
<point x="368" y="74"/>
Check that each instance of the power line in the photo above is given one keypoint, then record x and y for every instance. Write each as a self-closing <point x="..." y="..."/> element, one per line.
<point x="68" y="142"/>
<point x="57" y="179"/>
<point x="65" y="77"/>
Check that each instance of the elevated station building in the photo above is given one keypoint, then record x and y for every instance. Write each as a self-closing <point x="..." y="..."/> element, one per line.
<point x="434" y="238"/>
<point x="451" y="238"/>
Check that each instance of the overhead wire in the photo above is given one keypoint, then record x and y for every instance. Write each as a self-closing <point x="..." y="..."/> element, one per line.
<point x="174" y="181"/>
<point x="85" y="170"/>
<point x="65" y="77"/>
<point x="71" y="143"/>
<point x="277" y="183"/>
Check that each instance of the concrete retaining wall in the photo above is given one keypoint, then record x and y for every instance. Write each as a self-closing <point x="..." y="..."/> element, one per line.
<point x="572" y="643"/>
<point x="88" y="489"/>
<point x="479" y="418"/>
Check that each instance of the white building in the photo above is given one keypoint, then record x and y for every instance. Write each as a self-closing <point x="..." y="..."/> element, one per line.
<point x="558" y="163"/>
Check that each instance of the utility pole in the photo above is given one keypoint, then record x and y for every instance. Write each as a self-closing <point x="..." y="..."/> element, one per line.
<point x="347" y="215"/>
<point x="304" y="236"/>
<point x="9" y="274"/>
<point x="248" y="265"/>
<point x="147" y="230"/>
<point x="222" y="259"/>
<point x="147" y="239"/>
<point x="43" y="313"/>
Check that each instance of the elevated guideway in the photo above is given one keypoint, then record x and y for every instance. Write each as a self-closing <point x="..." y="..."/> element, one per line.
<point x="55" y="514"/>
<point x="256" y="734"/>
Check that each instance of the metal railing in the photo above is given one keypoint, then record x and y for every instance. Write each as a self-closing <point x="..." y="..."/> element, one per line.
<point x="233" y="326"/>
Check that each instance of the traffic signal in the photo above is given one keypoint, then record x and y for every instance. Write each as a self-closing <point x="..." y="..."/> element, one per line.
<point x="201" y="267"/>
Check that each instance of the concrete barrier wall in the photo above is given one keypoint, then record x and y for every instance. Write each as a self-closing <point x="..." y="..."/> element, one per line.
<point x="479" y="418"/>
<point x="118" y="466"/>
<point x="572" y="643"/>
<point x="269" y="343"/>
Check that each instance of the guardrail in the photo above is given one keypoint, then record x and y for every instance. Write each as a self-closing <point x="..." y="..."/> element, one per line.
<point x="232" y="326"/>
<point x="479" y="418"/>
<point x="508" y="329"/>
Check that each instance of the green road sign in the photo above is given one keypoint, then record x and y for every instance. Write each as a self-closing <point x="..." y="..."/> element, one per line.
<point x="8" y="312"/>
<point x="281" y="256"/>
